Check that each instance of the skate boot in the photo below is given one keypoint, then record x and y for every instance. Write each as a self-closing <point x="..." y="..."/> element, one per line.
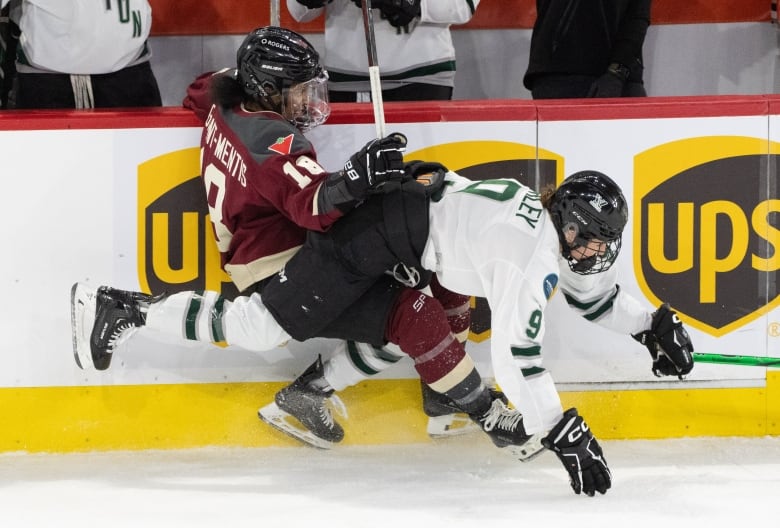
<point x="444" y="417"/>
<point x="302" y="409"/>
<point x="102" y="320"/>
<point x="503" y="425"/>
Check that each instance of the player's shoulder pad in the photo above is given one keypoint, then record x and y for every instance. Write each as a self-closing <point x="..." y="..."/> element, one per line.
<point x="271" y="137"/>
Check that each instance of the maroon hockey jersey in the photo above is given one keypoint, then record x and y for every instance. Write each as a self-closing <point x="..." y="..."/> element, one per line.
<point x="261" y="178"/>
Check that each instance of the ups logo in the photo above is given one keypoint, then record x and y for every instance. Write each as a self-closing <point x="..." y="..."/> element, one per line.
<point x="706" y="229"/>
<point x="486" y="160"/>
<point x="176" y="246"/>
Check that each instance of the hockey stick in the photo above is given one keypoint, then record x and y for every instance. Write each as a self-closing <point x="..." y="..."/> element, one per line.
<point x="373" y="70"/>
<point x="748" y="361"/>
<point x="275" y="17"/>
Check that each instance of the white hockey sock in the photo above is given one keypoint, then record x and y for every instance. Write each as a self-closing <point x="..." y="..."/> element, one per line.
<point x="353" y="362"/>
<point x="206" y="316"/>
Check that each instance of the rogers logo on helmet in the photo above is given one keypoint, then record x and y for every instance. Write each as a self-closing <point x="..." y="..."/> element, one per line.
<point x="275" y="44"/>
<point x="271" y="67"/>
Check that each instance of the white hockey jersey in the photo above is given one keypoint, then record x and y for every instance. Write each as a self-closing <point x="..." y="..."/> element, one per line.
<point x="83" y="36"/>
<point x="493" y="239"/>
<point x="423" y="52"/>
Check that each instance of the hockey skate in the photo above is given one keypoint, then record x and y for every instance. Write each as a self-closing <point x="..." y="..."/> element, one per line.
<point x="302" y="410"/>
<point x="505" y="428"/>
<point x="445" y="419"/>
<point x="102" y="320"/>
<point x="531" y="449"/>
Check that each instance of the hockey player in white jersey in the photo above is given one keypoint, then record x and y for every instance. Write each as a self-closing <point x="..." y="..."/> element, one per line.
<point x="413" y="44"/>
<point x="509" y="275"/>
<point x="83" y="54"/>
<point x="520" y="248"/>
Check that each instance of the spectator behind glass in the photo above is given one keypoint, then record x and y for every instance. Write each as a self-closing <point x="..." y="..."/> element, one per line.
<point x="83" y="54"/>
<point x="415" y="54"/>
<point x="587" y="48"/>
<point x="9" y="36"/>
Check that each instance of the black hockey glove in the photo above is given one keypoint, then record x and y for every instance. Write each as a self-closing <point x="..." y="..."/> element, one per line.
<point x="580" y="453"/>
<point x="399" y="13"/>
<point x="669" y="344"/>
<point x="429" y="174"/>
<point x="608" y="85"/>
<point x="380" y="160"/>
<point x="314" y="4"/>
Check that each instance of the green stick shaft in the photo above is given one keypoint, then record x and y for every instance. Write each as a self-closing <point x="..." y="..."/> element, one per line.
<point x="749" y="361"/>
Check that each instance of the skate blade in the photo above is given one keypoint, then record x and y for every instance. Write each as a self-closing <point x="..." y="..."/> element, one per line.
<point x="451" y="425"/>
<point x="82" y="318"/>
<point x="289" y="425"/>
<point x="529" y="450"/>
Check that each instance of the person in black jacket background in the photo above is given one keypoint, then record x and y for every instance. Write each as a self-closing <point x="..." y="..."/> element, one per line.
<point x="587" y="48"/>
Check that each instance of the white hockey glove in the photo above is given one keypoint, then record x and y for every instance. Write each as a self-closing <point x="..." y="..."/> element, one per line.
<point x="580" y="454"/>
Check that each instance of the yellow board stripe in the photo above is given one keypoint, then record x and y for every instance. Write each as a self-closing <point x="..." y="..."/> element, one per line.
<point x="67" y="419"/>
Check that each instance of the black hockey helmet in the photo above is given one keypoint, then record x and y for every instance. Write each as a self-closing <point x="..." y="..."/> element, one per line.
<point x="588" y="205"/>
<point x="281" y="70"/>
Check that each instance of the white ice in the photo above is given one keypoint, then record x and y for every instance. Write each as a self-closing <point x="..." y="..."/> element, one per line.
<point x="458" y="482"/>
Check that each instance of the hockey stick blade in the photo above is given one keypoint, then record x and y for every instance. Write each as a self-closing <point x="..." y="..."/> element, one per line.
<point x="286" y="423"/>
<point x="726" y="359"/>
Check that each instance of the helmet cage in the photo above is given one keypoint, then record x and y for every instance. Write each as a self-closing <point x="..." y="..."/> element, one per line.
<point x="273" y="61"/>
<point x="306" y="104"/>
<point x="588" y="207"/>
<point x="597" y="263"/>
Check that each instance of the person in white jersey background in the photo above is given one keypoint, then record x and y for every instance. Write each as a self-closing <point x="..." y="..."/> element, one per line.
<point x="83" y="54"/>
<point x="414" y="46"/>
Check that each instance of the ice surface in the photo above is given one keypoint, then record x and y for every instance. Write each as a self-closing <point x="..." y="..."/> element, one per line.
<point x="458" y="482"/>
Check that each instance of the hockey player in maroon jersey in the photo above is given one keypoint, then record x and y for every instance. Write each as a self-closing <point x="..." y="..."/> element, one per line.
<point x="261" y="173"/>
<point x="264" y="188"/>
<point x="444" y="420"/>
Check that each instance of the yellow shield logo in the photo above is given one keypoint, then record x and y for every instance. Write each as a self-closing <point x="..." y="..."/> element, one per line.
<point x="176" y="246"/>
<point x="705" y="229"/>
